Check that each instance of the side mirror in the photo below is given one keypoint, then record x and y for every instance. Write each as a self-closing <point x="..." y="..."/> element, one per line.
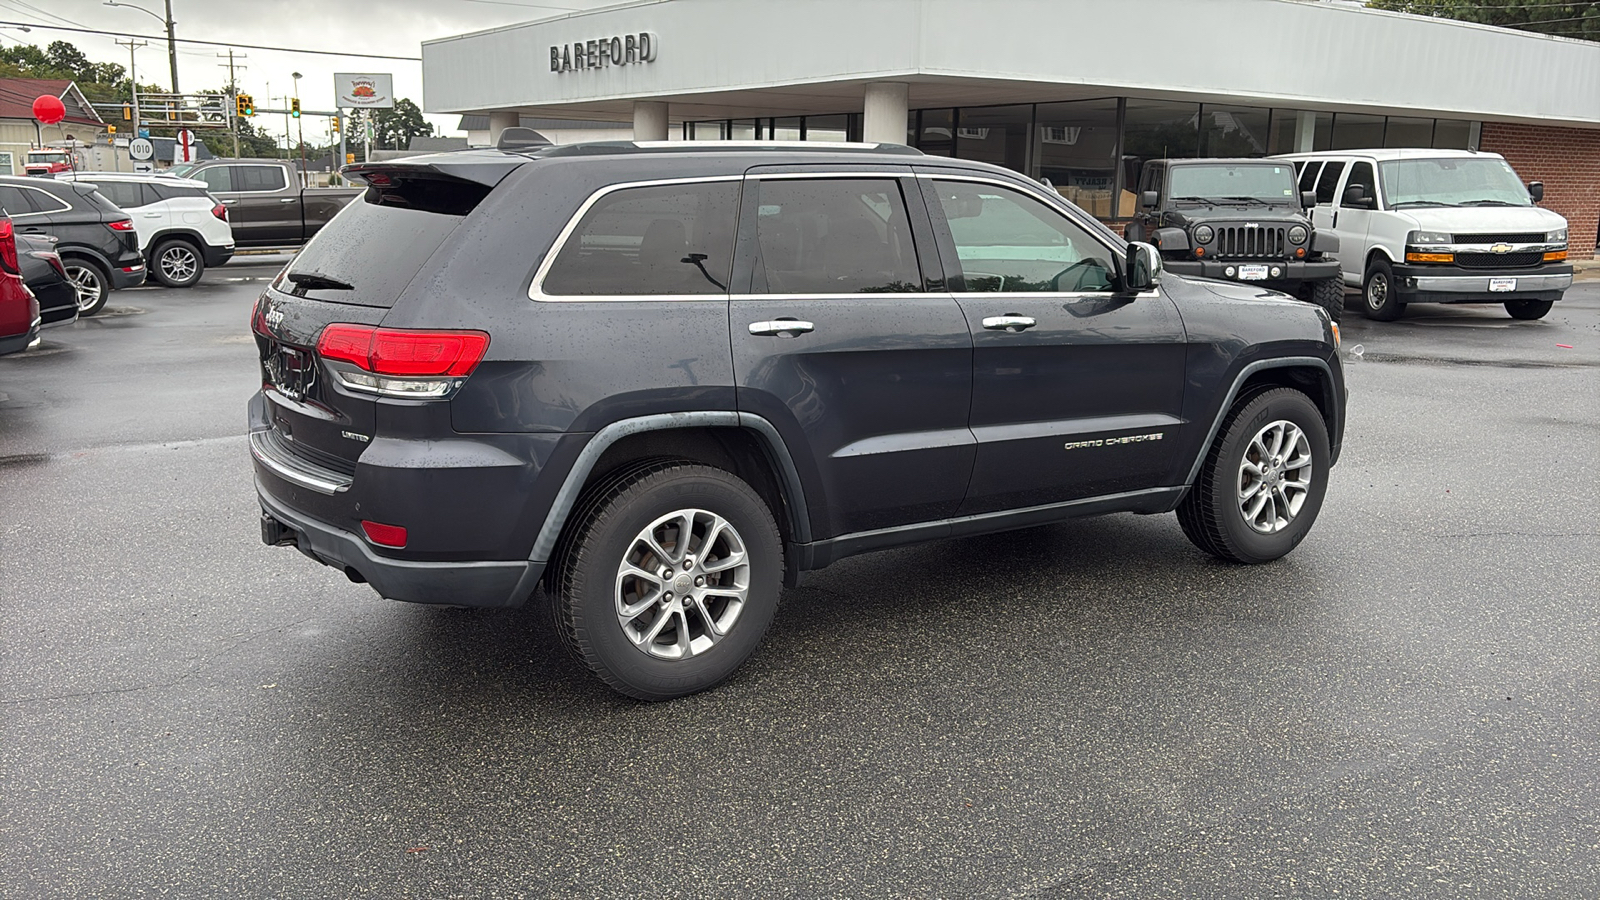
<point x="1308" y="199"/>
<point x="1149" y="199"/>
<point x="1536" y="190"/>
<point x="1355" y="195"/>
<point x="1142" y="268"/>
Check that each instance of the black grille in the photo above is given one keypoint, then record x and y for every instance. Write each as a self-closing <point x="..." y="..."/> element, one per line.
<point x="1499" y="260"/>
<point x="1246" y="243"/>
<point x="1530" y="238"/>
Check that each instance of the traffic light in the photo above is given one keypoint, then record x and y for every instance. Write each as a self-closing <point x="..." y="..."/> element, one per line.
<point x="127" y="112"/>
<point x="245" y="105"/>
<point x="111" y="129"/>
<point x="294" y="107"/>
<point x="333" y="124"/>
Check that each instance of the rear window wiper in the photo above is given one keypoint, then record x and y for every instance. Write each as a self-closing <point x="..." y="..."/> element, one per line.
<point x="316" y="281"/>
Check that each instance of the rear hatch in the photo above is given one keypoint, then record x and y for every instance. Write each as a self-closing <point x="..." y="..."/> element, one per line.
<point x="352" y="272"/>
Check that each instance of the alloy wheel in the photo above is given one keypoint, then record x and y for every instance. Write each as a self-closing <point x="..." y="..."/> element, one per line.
<point x="682" y="584"/>
<point x="86" y="282"/>
<point x="1275" y="477"/>
<point x="178" y="263"/>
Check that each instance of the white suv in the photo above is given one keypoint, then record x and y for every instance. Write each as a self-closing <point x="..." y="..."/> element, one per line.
<point x="1437" y="226"/>
<point x="182" y="228"/>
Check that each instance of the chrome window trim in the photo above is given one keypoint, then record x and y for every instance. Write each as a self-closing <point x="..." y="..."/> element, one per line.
<point x="899" y="171"/>
<point x="843" y="295"/>
<point x="536" y="286"/>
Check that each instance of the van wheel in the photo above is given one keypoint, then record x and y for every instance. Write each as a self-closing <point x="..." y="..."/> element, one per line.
<point x="1328" y="294"/>
<point x="92" y="284"/>
<point x="1378" y="298"/>
<point x="670" y="580"/>
<point x="1263" y="480"/>
<point x="1528" y="309"/>
<point x="176" y="263"/>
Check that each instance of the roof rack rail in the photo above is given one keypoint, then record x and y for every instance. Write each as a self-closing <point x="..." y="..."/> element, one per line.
<point x="600" y="148"/>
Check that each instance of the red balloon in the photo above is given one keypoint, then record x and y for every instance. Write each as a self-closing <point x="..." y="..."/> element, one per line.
<point x="49" y="110"/>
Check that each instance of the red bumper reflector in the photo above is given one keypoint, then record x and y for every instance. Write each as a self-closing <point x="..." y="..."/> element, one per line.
<point x="385" y="535"/>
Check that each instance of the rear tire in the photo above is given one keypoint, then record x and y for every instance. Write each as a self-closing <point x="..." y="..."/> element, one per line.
<point x="1378" y="298"/>
<point x="670" y="579"/>
<point x="1528" y="309"/>
<point x="92" y="283"/>
<point x="1263" y="480"/>
<point x="176" y="263"/>
<point x="1328" y="294"/>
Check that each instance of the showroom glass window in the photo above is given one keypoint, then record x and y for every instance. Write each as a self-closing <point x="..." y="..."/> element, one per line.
<point x="1354" y="131"/>
<point x="833" y="236"/>
<point x="1234" y="130"/>
<point x="650" y="241"/>
<point x="1077" y="151"/>
<point x="996" y="134"/>
<point x="1008" y="242"/>
<point x="936" y="132"/>
<point x="1406" y="132"/>
<point x="1157" y="129"/>
<point x="827" y="128"/>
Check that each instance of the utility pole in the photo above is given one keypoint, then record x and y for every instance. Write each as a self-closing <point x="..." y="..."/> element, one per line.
<point x="233" y="95"/>
<point x="343" y="153"/>
<point x="172" y="49"/>
<point x="133" y="79"/>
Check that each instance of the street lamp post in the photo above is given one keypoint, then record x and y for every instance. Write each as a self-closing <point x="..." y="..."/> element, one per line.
<point x="172" y="41"/>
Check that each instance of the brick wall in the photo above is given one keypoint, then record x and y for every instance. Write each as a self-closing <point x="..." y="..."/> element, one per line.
<point x="1567" y="160"/>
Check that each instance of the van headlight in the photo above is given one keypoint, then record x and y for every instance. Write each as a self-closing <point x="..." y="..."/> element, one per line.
<point x="1428" y="237"/>
<point x="1559" y="236"/>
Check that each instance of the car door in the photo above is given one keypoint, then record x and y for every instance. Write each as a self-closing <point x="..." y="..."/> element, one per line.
<point x="139" y="201"/>
<point x="1354" y="222"/>
<point x="269" y="203"/>
<point x="1077" y="387"/>
<point x="845" y="340"/>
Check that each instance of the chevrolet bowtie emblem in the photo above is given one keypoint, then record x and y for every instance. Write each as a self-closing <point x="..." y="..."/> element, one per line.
<point x="1500" y="248"/>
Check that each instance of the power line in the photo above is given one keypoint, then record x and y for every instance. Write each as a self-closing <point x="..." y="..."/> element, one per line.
<point x="163" y="38"/>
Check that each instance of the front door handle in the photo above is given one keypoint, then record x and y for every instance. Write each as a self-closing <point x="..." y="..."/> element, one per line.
<point x="782" y="328"/>
<point x="288" y="199"/>
<point x="1009" y="322"/>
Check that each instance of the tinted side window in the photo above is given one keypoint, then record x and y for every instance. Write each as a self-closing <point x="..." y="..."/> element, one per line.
<point x="1329" y="182"/>
<point x="14" y="200"/>
<point x="217" y="178"/>
<point x="124" y="194"/>
<point x="824" y="236"/>
<point x="1009" y="242"/>
<point x="1361" y="174"/>
<point x="258" y="178"/>
<point x="650" y="241"/>
<point x="1308" y="174"/>
<point x="148" y="195"/>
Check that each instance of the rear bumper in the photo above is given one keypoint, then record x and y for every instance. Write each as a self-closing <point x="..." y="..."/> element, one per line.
<point x="127" y="274"/>
<point x="215" y="256"/>
<point x="58" y="304"/>
<point x="1452" y="284"/>
<point x="20" y="342"/>
<point x="482" y="584"/>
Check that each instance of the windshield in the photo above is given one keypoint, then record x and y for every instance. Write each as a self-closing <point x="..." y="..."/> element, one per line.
<point x="47" y="157"/>
<point x="1262" y="183"/>
<point x="1452" y="182"/>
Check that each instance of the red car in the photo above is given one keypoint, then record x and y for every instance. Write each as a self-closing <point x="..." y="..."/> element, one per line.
<point x="19" y="309"/>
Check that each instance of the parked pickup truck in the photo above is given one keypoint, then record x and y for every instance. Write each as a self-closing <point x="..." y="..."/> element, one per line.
<point x="267" y="207"/>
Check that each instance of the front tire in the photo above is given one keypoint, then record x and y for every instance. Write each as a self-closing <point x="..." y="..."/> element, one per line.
<point x="1528" y="310"/>
<point x="670" y="580"/>
<point x="1378" y="298"/>
<point x="1328" y="294"/>
<point x="92" y="284"/>
<point x="176" y="263"/>
<point x="1263" y="480"/>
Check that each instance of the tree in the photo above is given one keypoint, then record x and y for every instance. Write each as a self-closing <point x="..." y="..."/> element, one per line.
<point x="1573" y="20"/>
<point x="393" y="129"/>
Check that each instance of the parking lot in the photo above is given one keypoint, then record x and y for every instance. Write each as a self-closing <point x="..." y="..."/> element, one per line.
<point x="1403" y="707"/>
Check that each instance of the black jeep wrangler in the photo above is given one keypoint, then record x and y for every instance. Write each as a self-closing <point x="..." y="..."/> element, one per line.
<point x="1238" y="220"/>
<point x="664" y="381"/>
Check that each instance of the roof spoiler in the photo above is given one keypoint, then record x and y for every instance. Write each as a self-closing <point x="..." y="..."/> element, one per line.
<point x="443" y="166"/>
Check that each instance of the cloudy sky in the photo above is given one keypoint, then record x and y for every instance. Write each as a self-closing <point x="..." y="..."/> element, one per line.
<point x="394" y="27"/>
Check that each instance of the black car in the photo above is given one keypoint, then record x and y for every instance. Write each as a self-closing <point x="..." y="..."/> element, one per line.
<point x="97" y="242"/>
<point x="664" y="381"/>
<point x="45" y="275"/>
<point x="1238" y="220"/>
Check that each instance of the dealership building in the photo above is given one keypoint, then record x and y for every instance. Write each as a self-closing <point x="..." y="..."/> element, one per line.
<point x="1079" y="92"/>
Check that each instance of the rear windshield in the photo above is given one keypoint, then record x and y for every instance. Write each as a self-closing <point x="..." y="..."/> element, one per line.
<point x="374" y="247"/>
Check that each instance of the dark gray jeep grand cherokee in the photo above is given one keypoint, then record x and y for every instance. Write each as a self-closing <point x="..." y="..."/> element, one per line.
<point x="665" y="380"/>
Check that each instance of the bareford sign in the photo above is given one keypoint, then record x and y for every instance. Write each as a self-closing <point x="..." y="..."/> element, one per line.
<point x="622" y="50"/>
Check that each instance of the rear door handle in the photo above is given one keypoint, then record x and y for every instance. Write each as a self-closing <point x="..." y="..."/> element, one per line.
<point x="288" y="199"/>
<point x="782" y="328"/>
<point x="1009" y="322"/>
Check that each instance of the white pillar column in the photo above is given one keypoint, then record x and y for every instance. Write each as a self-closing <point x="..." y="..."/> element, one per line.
<point x="1305" y="131"/>
<point x="883" y="112"/>
<point x="500" y="120"/>
<point x="649" y="120"/>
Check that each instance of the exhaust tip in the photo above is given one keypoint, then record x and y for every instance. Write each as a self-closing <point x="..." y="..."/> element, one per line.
<point x="354" y="576"/>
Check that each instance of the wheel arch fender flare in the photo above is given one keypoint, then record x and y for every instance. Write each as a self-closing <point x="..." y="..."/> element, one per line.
<point x="1283" y="362"/>
<point x="1378" y="250"/>
<point x="83" y="252"/>
<point x="184" y="234"/>
<point x="572" y="485"/>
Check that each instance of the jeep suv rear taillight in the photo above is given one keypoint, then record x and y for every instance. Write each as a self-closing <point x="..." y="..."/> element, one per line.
<point x="394" y="362"/>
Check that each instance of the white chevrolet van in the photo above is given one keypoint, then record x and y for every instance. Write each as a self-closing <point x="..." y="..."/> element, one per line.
<point x="1437" y="226"/>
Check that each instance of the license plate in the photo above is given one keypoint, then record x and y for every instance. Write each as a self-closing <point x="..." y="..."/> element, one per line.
<point x="1501" y="285"/>
<point x="1252" y="273"/>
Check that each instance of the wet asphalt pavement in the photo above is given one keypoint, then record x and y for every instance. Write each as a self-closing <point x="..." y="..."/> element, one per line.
<point x="1404" y="707"/>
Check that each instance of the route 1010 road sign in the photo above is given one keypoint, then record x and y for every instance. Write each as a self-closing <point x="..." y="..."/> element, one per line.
<point x="141" y="149"/>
